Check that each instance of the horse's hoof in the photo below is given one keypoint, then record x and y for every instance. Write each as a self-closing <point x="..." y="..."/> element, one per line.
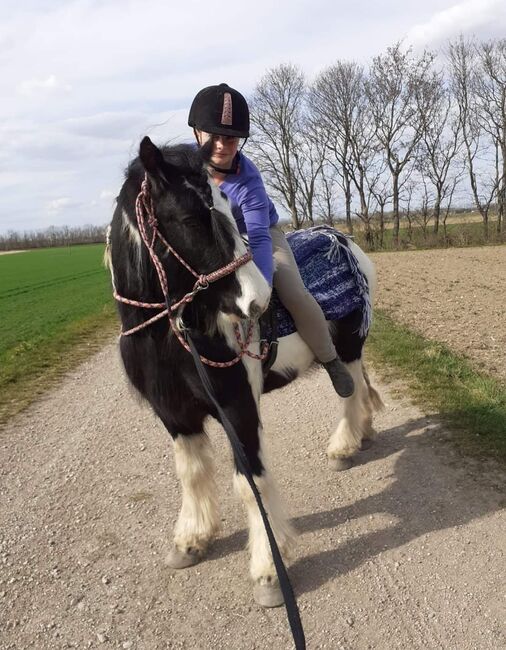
<point x="178" y="559"/>
<point x="268" y="595"/>
<point x="340" y="464"/>
<point x="366" y="444"/>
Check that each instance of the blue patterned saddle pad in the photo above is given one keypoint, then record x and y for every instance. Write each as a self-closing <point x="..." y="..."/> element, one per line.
<point x="331" y="273"/>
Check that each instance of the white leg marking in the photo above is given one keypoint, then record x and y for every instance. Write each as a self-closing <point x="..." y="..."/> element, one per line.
<point x="261" y="565"/>
<point x="351" y="429"/>
<point x="198" y="520"/>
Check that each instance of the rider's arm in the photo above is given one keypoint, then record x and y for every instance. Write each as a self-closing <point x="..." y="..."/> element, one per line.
<point x="254" y="205"/>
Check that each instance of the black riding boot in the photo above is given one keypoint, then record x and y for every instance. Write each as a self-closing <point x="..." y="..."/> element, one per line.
<point x="341" y="378"/>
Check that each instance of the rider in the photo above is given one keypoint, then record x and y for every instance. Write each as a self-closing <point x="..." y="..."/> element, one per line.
<point x="220" y="114"/>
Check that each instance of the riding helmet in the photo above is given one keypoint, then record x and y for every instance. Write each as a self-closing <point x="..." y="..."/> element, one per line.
<point x="220" y="110"/>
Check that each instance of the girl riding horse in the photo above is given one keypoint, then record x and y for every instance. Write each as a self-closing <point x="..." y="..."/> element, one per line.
<point x="219" y="116"/>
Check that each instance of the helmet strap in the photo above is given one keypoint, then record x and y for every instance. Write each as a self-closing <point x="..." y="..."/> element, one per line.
<point x="233" y="169"/>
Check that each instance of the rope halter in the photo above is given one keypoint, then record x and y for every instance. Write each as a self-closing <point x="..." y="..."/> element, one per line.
<point x="146" y="219"/>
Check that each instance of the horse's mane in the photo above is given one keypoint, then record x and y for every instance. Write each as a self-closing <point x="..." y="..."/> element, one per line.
<point x="186" y="157"/>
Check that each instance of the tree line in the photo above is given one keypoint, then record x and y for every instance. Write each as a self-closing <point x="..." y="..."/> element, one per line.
<point x="52" y="236"/>
<point x="403" y="140"/>
<point x="398" y="139"/>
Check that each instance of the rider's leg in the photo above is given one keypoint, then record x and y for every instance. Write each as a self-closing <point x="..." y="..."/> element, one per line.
<point x="306" y="313"/>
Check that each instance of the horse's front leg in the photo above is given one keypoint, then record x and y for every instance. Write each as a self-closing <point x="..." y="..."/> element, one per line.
<point x="198" y="519"/>
<point x="244" y="416"/>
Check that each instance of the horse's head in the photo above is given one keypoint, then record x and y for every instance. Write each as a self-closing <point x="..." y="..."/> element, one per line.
<point x="194" y="217"/>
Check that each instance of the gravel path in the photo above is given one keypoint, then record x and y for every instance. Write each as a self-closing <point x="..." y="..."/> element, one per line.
<point x="405" y="550"/>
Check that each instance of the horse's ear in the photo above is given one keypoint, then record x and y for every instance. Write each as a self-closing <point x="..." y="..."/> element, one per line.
<point x="152" y="159"/>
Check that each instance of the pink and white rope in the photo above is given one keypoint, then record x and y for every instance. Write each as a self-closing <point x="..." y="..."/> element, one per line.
<point x="145" y="214"/>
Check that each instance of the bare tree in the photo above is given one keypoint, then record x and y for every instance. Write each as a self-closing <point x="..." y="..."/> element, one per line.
<point x="326" y="194"/>
<point x="423" y="215"/>
<point x="477" y="141"/>
<point x="309" y="158"/>
<point x="446" y="209"/>
<point x="440" y="144"/>
<point x="336" y="103"/>
<point x="396" y="91"/>
<point x="382" y="194"/>
<point x="277" y="107"/>
<point x="491" y="89"/>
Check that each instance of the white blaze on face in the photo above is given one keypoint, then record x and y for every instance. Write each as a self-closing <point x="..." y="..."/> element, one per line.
<point x="254" y="287"/>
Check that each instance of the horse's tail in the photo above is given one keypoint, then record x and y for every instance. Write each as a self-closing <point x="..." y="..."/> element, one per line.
<point x="376" y="401"/>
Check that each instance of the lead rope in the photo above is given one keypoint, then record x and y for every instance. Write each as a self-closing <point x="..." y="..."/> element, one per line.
<point x="243" y="464"/>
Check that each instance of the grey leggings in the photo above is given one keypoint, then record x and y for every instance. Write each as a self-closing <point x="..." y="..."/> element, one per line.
<point x="304" y="309"/>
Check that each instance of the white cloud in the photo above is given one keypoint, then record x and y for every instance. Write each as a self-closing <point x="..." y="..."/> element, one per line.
<point x="105" y="125"/>
<point x="58" y="205"/>
<point x="477" y="17"/>
<point x="51" y="84"/>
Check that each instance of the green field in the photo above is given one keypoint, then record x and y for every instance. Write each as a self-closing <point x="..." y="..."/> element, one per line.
<point x="50" y="301"/>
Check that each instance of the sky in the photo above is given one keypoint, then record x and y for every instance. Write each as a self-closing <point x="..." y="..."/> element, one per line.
<point x="82" y="81"/>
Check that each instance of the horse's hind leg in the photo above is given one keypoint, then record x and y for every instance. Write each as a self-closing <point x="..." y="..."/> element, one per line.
<point x="352" y="427"/>
<point x="372" y="402"/>
<point x="198" y="519"/>
<point x="355" y="430"/>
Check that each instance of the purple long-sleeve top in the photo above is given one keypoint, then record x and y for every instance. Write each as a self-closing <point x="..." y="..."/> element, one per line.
<point x="254" y="212"/>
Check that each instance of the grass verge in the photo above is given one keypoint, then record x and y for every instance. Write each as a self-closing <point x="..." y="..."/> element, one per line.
<point x="35" y="373"/>
<point x="470" y="402"/>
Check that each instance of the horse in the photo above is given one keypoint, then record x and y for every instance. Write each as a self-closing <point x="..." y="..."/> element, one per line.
<point x="174" y="251"/>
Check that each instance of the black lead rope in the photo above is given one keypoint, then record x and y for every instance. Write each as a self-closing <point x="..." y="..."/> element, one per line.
<point x="244" y="466"/>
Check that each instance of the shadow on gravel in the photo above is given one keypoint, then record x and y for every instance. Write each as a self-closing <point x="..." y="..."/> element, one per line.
<point x="224" y="546"/>
<point x="430" y="488"/>
<point x="428" y="493"/>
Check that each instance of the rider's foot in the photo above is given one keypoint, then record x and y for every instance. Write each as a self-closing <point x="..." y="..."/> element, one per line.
<point x="341" y="378"/>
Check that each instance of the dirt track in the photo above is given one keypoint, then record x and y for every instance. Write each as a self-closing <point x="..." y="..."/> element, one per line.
<point x="405" y="550"/>
<point x="453" y="295"/>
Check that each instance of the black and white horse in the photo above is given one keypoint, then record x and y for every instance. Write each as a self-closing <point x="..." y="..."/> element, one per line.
<point x="198" y="232"/>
